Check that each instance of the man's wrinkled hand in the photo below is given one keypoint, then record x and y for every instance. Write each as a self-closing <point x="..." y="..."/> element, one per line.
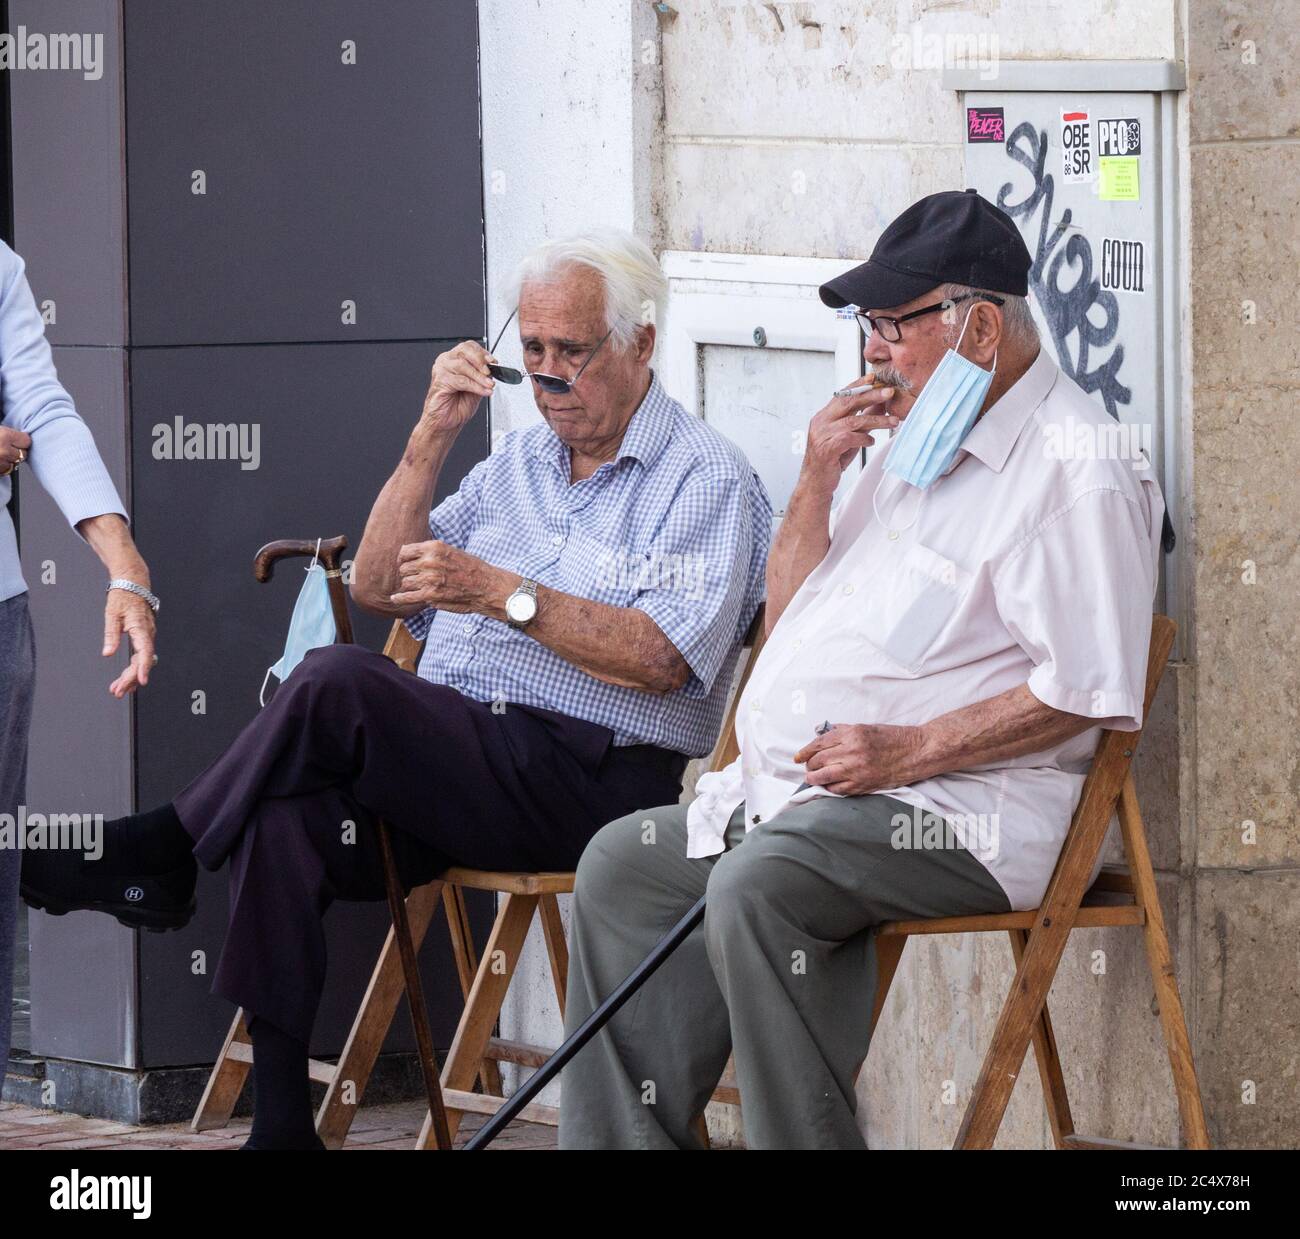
<point x="843" y="428"/>
<point x="855" y="759"/>
<point x="434" y="574"/>
<point x="128" y="613"/>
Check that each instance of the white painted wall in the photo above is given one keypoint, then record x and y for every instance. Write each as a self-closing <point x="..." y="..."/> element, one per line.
<point x="571" y="95"/>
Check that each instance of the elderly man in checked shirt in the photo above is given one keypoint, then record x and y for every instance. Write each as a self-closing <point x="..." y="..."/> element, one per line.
<point x="583" y="597"/>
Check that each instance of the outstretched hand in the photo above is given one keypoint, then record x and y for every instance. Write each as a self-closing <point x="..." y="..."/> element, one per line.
<point x="127" y="613"/>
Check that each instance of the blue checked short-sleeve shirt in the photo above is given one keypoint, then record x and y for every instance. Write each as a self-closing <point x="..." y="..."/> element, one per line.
<point x="677" y="525"/>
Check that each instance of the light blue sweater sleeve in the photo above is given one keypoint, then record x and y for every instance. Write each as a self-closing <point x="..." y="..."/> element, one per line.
<point x="63" y="456"/>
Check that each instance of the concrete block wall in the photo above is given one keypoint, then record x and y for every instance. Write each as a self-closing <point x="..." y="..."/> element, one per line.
<point x="1244" y="162"/>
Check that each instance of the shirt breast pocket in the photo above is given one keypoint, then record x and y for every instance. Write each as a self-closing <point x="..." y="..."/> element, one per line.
<point x="906" y="614"/>
<point x="599" y="570"/>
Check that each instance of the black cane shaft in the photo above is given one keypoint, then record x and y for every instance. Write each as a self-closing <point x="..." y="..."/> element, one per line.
<point x="588" y="1028"/>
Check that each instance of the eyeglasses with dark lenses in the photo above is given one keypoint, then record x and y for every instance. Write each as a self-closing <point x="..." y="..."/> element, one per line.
<point x="891" y="330"/>
<point x="547" y="382"/>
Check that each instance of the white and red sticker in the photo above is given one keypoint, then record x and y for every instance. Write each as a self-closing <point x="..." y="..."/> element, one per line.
<point x="1077" y="156"/>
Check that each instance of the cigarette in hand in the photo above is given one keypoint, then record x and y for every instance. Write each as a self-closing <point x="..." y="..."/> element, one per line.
<point x="858" y="391"/>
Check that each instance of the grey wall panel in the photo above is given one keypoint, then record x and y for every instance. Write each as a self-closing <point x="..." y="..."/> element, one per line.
<point x="325" y="181"/>
<point x="82" y="965"/>
<point x="331" y="421"/>
<point x="69" y="188"/>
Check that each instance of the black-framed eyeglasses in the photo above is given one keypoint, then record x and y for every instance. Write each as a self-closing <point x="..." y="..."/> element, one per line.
<point x="547" y="382"/>
<point x="891" y="330"/>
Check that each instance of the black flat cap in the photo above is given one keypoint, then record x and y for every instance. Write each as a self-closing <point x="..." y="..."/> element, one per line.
<point x="947" y="238"/>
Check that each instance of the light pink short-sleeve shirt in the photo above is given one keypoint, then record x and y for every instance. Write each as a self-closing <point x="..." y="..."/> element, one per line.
<point x="1033" y="560"/>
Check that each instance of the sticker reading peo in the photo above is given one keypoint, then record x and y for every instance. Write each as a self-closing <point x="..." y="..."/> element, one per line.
<point x="1119" y="136"/>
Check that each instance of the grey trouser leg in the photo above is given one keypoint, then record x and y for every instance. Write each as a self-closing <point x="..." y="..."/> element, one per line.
<point x="17" y="677"/>
<point x="783" y="970"/>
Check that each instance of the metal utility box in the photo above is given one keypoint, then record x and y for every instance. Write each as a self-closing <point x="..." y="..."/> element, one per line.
<point x="1083" y="156"/>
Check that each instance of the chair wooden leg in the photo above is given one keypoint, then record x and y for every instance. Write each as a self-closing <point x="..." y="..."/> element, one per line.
<point x="227" y="1079"/>
<point x="1046" y="1055"/>
<point x="1172" y="1020"/>
<point x="889" y="950"/>
<point x="491" y="982"/>
<point x="1016" y="1023"/>
<point x="557" y="948"/>
<point x="374" y="1017"/>
<point x="462" y="940"/>
<point x="466" y="957"/>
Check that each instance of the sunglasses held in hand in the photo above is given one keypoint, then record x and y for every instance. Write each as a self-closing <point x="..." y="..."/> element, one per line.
<point x="547" y="382"/>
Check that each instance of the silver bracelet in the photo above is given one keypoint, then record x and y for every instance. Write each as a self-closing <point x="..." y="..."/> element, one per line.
<point x="139" y="590"/>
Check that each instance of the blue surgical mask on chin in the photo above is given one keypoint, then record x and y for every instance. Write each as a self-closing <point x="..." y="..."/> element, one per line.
<point x="933" y="430"/>
<point x="311" y="625"/>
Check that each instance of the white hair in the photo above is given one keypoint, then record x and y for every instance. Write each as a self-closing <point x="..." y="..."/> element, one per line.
<point x="636" y="290"/>
<point x="1018" y="326"/>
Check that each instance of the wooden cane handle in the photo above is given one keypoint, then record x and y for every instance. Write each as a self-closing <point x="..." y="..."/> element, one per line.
<point x="331" y="550"/>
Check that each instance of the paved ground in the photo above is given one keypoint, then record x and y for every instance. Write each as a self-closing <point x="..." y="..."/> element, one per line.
<point x="376" y="1127"/>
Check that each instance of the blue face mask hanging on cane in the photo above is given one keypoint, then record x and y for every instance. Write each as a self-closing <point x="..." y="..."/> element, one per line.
<point x="933" y="430"/>
<point x="311" y="625"/>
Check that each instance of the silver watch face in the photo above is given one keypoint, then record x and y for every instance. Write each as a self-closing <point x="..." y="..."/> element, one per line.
<point x="521" y="607"/>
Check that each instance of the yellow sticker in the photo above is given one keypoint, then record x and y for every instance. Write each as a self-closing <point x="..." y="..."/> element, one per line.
<point x="1119" y="178"/>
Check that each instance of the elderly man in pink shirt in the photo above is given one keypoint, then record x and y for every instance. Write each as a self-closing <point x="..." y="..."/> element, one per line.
<point x="944" y="649"/>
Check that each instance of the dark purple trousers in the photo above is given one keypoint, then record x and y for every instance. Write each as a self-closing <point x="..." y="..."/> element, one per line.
<point x="350" y="737"/>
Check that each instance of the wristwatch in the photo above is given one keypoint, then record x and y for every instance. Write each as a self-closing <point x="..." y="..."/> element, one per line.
<point x="521" y="606"/>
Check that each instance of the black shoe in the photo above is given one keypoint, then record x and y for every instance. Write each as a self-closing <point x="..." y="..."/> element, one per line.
<point x="58" y="882"/>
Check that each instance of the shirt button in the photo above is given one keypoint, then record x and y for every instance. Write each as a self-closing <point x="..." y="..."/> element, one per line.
<point x="756" y="819"/>
<point x="467" y="629"/>
<point x="848" y="589"/>
<point x="893" y="535"/>
<point x="557" y="540"/>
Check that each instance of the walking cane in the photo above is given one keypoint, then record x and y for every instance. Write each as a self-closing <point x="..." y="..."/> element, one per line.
<point x="589" y="1027"/>
<point x="329" y="551"/>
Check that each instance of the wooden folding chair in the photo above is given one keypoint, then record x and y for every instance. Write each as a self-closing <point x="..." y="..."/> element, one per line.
<point x="475" y="1052"/>
<point x="236" y="1058"/>
<point x="1038" y="940"/>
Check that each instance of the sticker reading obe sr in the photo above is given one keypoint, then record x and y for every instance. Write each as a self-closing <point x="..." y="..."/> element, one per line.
<point x="1076" y="145"/>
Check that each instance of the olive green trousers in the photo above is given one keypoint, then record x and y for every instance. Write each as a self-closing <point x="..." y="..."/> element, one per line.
<point x="782" y="972"/>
